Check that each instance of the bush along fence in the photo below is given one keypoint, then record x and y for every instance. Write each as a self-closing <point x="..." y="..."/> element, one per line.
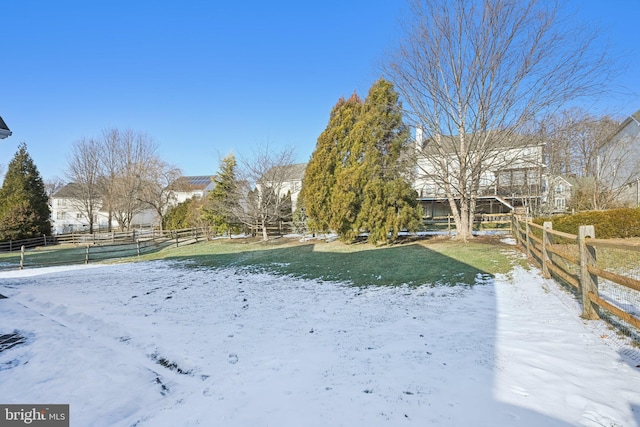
<point x="603" y="273"/>
<point x="86" y="248"/>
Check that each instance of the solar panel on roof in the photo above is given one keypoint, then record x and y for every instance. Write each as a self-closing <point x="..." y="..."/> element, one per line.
<point x="199" y="180"/>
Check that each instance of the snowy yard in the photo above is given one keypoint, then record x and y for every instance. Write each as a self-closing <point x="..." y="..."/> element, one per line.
<point x="166" y="344"/>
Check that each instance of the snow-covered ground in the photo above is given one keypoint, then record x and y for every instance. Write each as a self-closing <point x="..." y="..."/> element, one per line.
<point x="166" y="344"/>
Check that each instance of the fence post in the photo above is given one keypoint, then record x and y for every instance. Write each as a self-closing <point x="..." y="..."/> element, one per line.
<point x="86" y="257"/>
<point x="10" y="245"/>
<point x="515" y="224"/>
<point x="21" y="257"/>
<point x="511" y="225"/>
<point x="546" y="242"/>
<point x="528" y="239"/>
<point x="138" y="246"/>
<point x="588" y="282"/>
<point x="44" y="237"/>
<point x="177" y="243"/>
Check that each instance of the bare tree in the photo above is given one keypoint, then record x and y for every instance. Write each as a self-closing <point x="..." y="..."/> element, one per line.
<point x="473" y="73"/>
<point x="129" y="160"/>
<point x="84" y="174"/>
<point x="117" y="173"/>
<point x="158" y="191"/>
<point x="579" y="145"/>
<point x="109" y="163"/>
<point x="262" y="189"/>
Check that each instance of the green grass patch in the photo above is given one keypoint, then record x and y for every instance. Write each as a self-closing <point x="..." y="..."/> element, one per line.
<point x="431" y="261"/>
<point x="438" y="261"/>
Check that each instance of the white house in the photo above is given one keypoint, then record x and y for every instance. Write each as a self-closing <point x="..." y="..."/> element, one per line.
<point x="68" y="214"/>
<point x="630" y="194"/>
<point x="559" y="193"/>
<point x="513" y="175"/>
<point x="284" y="180"/>
<point x="187" y="187"/>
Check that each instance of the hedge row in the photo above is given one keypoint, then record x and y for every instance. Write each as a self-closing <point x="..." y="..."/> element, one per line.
<point x="614" y="223"/>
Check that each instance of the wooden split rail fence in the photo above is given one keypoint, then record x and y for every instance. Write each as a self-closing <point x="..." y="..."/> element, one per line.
<point x="605" y="273"/>
<point x="85" y="248"/>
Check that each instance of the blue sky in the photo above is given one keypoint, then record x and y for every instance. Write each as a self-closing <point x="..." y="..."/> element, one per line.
<point x="205" y="77"/>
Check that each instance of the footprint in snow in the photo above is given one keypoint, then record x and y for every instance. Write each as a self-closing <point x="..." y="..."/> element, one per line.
<point x="519" y="391"/>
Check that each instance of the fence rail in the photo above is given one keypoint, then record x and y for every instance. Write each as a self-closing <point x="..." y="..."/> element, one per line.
<point x="86" y="248"/>
<point x="604" y="273"/>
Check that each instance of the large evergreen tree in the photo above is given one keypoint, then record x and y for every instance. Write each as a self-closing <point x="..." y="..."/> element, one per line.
<point x="24" y="207"/>
<point x="358" y="177"/>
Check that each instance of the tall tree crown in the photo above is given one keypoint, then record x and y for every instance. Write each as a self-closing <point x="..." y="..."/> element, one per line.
<point x="24" y="207"/>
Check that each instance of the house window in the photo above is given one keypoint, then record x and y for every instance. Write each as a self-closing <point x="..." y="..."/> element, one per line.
<point x="62" y="202"/>
<point x="560" y="189"/>
<point x="519" y="178"/>
<point x="560" y="203"/>
<point x="60" y="215"/>
<point x="79" y="216"/>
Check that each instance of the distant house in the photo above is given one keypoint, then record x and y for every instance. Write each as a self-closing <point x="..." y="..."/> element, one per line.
<point x="284" y="180"/>
<point x="630" y="194"/>
<point x="512" y="177"/>
<point x="4" y="130"/>
<point x="559" y="193"/>
<point x="620" y="160"/>
<point x="187" y="187"/>
<point x="69" y="215"/>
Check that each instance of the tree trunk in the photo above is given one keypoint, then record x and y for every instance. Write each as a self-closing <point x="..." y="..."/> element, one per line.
<point x="464" y="231"/>
<point x="265" y="237"/>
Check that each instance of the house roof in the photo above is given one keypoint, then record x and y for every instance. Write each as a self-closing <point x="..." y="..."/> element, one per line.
<point x="4" y="129"/>
<point x="571" y="181"/>
<point x="194" y="183"/>
<point x="68" y="191"/>
<point x="294" y="172"/>
<point x="634" y="118"/>
<point x="450" y="143"/>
